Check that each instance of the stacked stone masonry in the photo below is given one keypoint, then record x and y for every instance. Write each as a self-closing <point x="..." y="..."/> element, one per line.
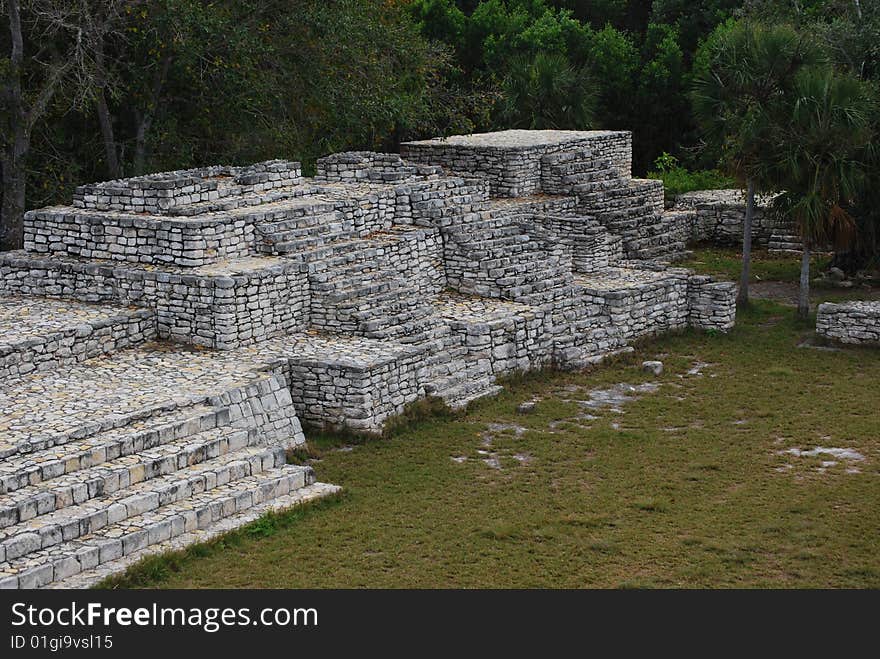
<point x="163" y="338"/>
<point x="856" y="323"/>
<point x="718" y="217"/>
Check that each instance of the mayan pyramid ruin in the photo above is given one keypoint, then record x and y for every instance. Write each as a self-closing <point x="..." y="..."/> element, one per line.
<point x="163" y="338"/>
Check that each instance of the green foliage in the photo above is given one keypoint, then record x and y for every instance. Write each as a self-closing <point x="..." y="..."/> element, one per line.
<point x="545" y="91"/>
<point x="693" y="18"/>
<point x="599" y="13"/>
<point x="820" y="151"/>
<point x="660" y="93"/>
<point x="741" y="88"/>
<point x="235" y="82"/>
<point x="614" y="60"/>
<point x="677" y="179"/>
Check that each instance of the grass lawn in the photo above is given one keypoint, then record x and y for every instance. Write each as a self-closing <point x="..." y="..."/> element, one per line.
<point x="690" y="485"/>
<point x="727" y="263"/>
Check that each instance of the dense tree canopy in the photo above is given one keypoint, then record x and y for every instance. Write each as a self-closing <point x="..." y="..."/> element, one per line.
<point x="98" y="89"/>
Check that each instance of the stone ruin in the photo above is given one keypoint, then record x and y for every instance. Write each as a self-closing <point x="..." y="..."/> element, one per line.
<point x="855" y="323"/>
<point x="163" y="338"/>
<point x="719" y="216"/>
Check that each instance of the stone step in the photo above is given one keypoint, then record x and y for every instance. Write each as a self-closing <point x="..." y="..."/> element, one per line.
<point x="590" y="191"/>
<point x="367" y="284"/>
<point x="635" y="210"/>
<point x="184" y="481"/>
<point x="90" y="577"/>
<point x="517" y="274"/>
<point x="104" y="478"/>
<point x="658" y="240"/>
<point x="480" y="250"/>
<point x="40" y="567"/>
<point x="300" y="246"/>
<point x="409" y="325"/>
<point x="31" y="468"/>
<point x="460" y="389"/>
<point x="231" y="203"/>
<point x="497" y="229"/>
<point x="303" y="227"/>
<point x="411" y="312"/>
<point x="312" y="215"/>
<point x="82" y="427"/>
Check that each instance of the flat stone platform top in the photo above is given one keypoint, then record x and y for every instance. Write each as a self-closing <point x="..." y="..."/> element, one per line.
<point x="724" y="197"/>
<point x="516" y="139"/>
<point x="23" y="318"/>
<point x="474" y="309"/>
<point x="615" y="279"/>
<point x="48" y="405"/>
<point x="869" y="307"/>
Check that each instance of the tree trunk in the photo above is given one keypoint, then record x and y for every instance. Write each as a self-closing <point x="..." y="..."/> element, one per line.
<point x="743" y="298"/>
<point x="107" y="135"/>
<point x="12" y="206"/>
<point x="145" y="120"/>
<point x="140" y="146"/>
<point x="804" y="293"/>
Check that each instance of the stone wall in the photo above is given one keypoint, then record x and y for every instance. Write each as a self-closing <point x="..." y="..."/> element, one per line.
<point x="265" y="409"/>
<point x="512" y="160"/>
<point x="59" y="346"/>
<point x="368" y="166"/>
<point x="137" y="239"/>
<point x="497" y="337"/>
<point x="351" y="384"/>
<point x="720" y="214"/>
<point x="440" y="203"/>
<point x="855" y="323"/>
<point x="167" y="191"/>
<point x="711" y="304"/>
<point x="641" y="302"/>
<point x="237" y="306"/>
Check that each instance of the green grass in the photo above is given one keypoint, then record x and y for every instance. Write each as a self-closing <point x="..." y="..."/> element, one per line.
<point x="685" y="488"/>
<point x="779" y="273"/>
<point x="727" y="263"/>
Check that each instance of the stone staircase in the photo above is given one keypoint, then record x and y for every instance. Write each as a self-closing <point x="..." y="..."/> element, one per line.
<point x="92" y="493"/>
<point x="634" y="210"/>
<point x="358" y="290"/>
<point x="630" y="208"/>
<point x="498" y="255"/>
<point x="300" y="226"/>
<point x="664" y="240"/>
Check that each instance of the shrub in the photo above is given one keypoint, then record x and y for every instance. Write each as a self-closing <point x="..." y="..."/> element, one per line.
<point x="677" y="179"/>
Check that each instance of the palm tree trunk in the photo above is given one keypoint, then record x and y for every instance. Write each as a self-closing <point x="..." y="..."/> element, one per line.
<point x="803" y="310"/>
<point x="743" y="297"/>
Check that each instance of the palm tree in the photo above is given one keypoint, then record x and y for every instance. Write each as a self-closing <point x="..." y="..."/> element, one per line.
<point x="818" y="160"/>
<point x="546" y="91"/>
<point x="741" y="84"/>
